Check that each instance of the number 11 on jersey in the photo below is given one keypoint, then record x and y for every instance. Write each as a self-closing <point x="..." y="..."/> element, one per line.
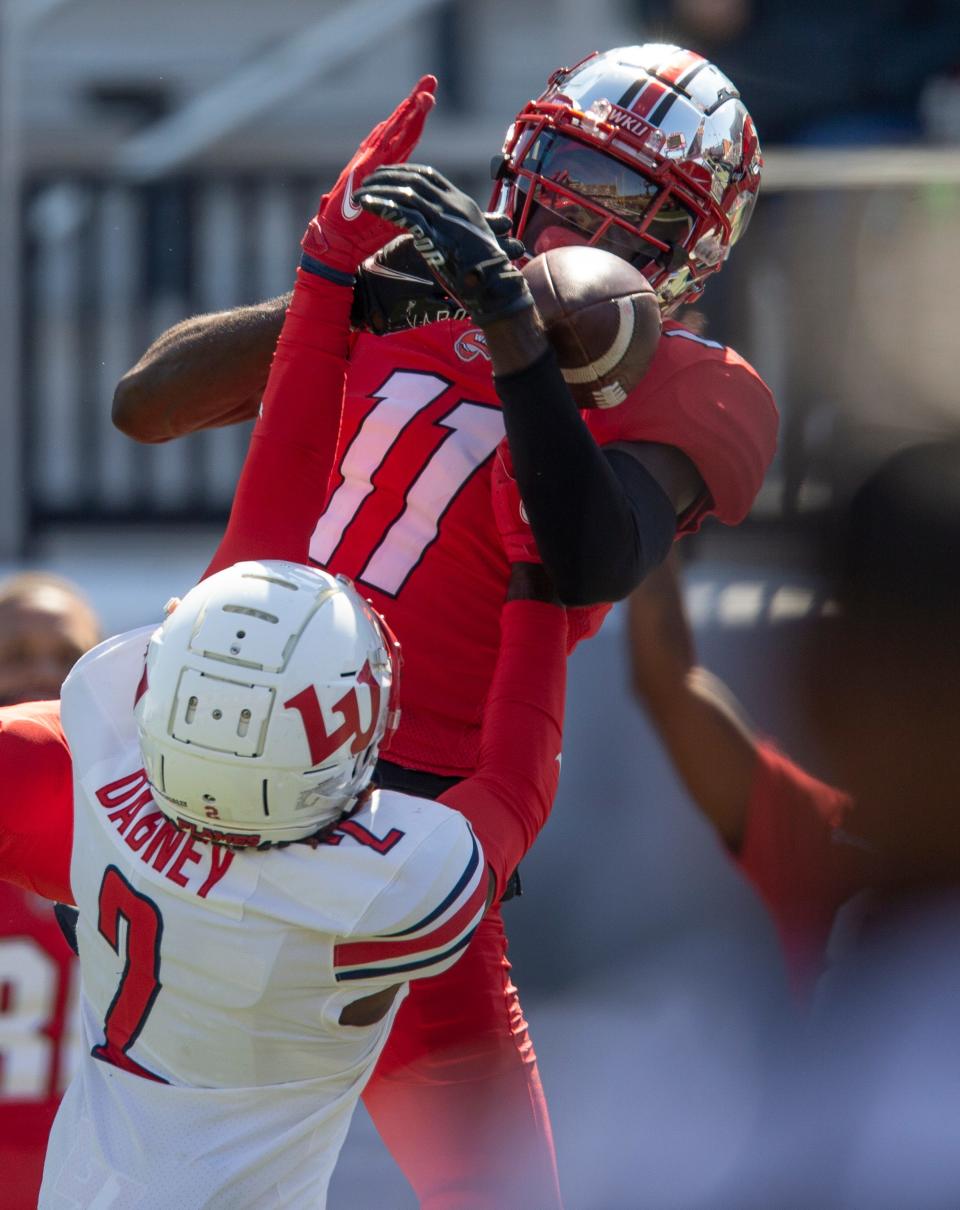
<point x="474" y="430"/>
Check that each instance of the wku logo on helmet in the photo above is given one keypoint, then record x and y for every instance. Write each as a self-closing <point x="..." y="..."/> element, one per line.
<point x="623" y="118"/>
<point x="324" y="743"/>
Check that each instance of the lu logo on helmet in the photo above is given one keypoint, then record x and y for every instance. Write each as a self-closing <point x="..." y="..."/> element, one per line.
<point x="323" y="743"/>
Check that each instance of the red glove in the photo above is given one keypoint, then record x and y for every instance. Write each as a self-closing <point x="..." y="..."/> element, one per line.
<point x="516" y="535"/>
<point x="342" y="235"/>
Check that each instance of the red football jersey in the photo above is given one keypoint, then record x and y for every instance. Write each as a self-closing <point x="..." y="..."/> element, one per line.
<point x="409" y="515"/>
<point x="800" y="858"/>
<point x="38" y="973"/>
<point x="35" y="771"/>
<point x="39" y="977"/>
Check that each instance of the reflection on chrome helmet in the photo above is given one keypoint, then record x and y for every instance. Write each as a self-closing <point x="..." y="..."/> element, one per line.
<point x="646" y="151"/>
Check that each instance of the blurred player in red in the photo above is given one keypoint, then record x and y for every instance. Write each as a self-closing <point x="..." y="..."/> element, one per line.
<point x="45" y="626"/>
<point x="644" y="151"/>
<point x="872" y="1087"/>
<point x="792" y="835"/>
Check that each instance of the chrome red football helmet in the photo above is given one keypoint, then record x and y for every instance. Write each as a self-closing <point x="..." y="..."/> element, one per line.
<point x="646" y="151"/>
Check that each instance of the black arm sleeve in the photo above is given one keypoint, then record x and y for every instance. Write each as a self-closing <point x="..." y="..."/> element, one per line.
<point x="601" y="520"/>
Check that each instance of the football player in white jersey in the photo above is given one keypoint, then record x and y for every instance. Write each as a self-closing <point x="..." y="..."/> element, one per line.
<point x="250" y="908"/>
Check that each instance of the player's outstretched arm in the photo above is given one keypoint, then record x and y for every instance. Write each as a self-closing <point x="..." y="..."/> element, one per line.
<point x="703" y="727"/>
<point x="282" y="487"/>
<point x="205" y="372"/>
<point x="782" y="823"/>
<point x="283" y="483"/>
<point x="508" y="798"/>
<point x="211" y="370"/>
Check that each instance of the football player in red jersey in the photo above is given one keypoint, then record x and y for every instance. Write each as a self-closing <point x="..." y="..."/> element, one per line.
<point x="645" y="151"/>
<point x="45" y="626"/>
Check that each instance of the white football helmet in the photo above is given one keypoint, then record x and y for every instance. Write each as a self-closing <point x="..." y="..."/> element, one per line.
<point x="267" y="693"/>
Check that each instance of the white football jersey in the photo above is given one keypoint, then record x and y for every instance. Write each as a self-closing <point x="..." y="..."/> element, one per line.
<point x="217" y="1073"/>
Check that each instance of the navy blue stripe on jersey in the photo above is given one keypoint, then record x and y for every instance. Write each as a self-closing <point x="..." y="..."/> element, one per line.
<point x="462" y="881"/>
<point x="373" y="972"/>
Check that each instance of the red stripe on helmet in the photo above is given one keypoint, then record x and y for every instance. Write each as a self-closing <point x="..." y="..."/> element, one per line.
<point x="680" y="63"/>
<point x="648" y="98"/>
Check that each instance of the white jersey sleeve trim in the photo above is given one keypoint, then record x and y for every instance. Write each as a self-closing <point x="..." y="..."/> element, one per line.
<point x="437" y="938"/>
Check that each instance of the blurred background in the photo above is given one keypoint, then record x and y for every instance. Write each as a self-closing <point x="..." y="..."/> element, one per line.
<point x="158" y="160"/>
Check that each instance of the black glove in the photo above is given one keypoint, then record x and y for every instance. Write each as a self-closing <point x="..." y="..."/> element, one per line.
<point x="452" y="236"/>
<point x="394" y="291"/>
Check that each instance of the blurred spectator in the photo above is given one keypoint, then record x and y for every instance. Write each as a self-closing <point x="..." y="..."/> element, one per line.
<point x="821" y="72"/>
<point x="874" y="1091"/>
<point x="45" y="626"/>
<point x="787" y="831"/>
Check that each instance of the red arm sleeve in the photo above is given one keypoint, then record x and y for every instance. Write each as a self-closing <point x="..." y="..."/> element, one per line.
<point x="509" y="797"/>
<point x="36" y="810"/>
<point x="799" y="858"/>
<point x="283" y="484"/>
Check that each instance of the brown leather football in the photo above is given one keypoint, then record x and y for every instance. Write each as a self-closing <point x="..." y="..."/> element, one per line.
<point x="602" y="317"/>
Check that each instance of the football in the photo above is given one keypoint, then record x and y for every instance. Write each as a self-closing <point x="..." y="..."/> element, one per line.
<point x="602" y="317"/>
